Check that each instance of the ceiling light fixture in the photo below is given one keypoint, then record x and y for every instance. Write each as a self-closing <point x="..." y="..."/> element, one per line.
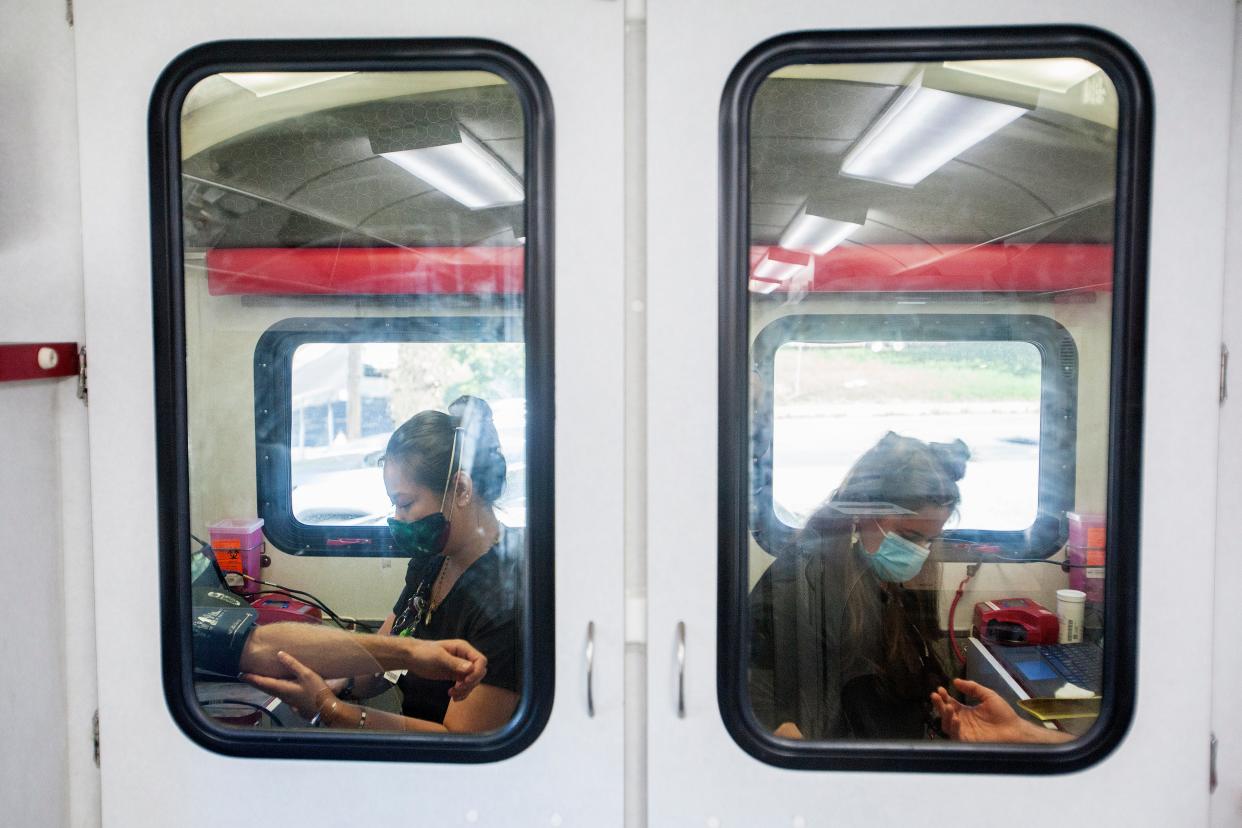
<point x="778" y="265"/>
<point x="817" y="228"/>
<point x="465" y="171"/>
<point x="1050" y="74"/>
<point x="922" y="131"/>
<point x="262" y="84"/>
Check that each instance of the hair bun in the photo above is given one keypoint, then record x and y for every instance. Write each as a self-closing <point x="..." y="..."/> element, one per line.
<point x="471" y="411"/>
<point x="481" y="454"/>
<point x="952" y="456"/>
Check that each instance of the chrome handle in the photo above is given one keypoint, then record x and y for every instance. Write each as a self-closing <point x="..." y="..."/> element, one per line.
<point x="681" y="669"/>
<point x="590" y="668"/>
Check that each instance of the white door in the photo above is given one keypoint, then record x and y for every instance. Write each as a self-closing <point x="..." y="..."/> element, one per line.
<point x="1156" y="773"/>
<point x="1228" y="572"/>
<point x="152" y="773"/>
<point x="696" y="771"/>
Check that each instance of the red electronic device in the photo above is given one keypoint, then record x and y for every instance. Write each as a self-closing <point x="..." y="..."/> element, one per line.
<point x="273" y="608"/>
<point x="1018" y="621"/>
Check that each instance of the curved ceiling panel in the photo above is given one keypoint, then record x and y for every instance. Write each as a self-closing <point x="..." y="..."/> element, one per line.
<point x="318" y="178"/>
<point x="1041" y="174"/>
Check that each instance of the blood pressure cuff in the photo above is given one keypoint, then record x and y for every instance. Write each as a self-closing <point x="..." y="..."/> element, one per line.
<point x="220" y="635"/>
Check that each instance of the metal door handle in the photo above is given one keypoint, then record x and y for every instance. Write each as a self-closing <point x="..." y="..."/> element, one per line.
<point x="681" y="669"/>
<point x="590" y="668"/>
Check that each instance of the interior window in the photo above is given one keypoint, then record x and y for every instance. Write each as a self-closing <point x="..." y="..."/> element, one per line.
<point x="347" y="398"/>
<point x="330" y="395"/>
<point x="936" y="390"/>
<point x="1007" y="379"/>
<point x="924" y="266"/>
<point x="360" y="385"/>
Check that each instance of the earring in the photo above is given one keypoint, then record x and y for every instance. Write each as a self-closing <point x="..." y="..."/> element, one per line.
<point x="854" y="536"/>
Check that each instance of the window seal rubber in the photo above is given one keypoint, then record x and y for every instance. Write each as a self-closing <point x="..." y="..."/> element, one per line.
<point x="172" y="464"/>
<point x="1126" y="386"/>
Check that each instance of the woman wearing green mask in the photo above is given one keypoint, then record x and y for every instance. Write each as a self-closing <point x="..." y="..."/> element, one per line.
<point x="841" y="646"/>
<point x="443" y="473"/>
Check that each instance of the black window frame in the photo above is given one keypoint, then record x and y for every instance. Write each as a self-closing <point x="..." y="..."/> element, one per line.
<point x="1126" y="384"/>
<point x="1057" y="415"/>
<point x="168" y="290"/>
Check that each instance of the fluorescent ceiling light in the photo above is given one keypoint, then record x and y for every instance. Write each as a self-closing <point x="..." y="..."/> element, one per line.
<point x="507" y="237"/>
<point x="782" y="267"/>
<point x="921" y="132"/>
<point x="465" y="171"/>
<point x="814" y="232"/>
<point x="1050" y="74"/>
<point x="263" y="84"/>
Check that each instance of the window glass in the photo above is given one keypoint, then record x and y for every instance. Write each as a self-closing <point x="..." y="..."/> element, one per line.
<point x="928" y="280"/>
<point x="934" y="391"/>
<point x="337" y="445"/>
<point x="357" y="385"/>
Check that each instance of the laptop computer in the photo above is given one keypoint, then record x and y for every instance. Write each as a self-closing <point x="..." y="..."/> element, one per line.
<point x="1044" y="669"/>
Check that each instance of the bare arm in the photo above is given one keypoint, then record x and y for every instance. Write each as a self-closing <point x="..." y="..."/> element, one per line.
<point x="487" y="708"/>
<point x="338" y="653"/>
<point x="368" y="684"/>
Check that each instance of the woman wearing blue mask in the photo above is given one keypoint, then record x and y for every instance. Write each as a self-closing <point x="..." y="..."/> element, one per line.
<point x="443" y="473"/>
<point x="841" y="646"/>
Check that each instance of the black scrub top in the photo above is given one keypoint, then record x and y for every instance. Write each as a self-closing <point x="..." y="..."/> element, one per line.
<point x="481" y="608"/>
<point x="808" y="667"/>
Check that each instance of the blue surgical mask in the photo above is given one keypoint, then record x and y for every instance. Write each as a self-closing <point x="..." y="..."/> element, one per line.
<point x="898" y="559"/>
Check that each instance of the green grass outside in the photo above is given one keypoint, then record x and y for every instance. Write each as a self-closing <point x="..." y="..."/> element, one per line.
<point x="935" y="372"/>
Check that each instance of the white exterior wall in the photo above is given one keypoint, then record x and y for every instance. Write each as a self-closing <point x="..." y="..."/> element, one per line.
<point x="47" y="695"/>
<point x="1227" y="655"/>
<point x="47" y="603"/>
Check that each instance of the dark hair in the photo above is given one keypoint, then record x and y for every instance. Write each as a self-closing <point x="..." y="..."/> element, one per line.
<point x="898" y="470"/>
<point x="907" y="472"/>
<point x="911" y="474"/>
<point x="423" y="445"/>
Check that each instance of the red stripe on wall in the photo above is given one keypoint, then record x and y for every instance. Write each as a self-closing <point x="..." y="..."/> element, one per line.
<point x="1038" y="268"/>
<point x="1032" y="268"/>
<point x="365" y="270"/>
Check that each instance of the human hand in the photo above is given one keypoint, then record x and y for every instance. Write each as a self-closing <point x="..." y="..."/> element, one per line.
<point x="991" y="719"/>
<point x="788" y="730"/>
<point x="306" y="692"/>
<point x="451" y="659"/>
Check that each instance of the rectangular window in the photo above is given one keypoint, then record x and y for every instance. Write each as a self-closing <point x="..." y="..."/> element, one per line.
<point x="337" y="446"/>
<point x="354" y="365"/>
<point x="933" y="258"/>
<point x="929" y="390"/>
<point x="357" y="379"/>
<point x="1008" y="380"/>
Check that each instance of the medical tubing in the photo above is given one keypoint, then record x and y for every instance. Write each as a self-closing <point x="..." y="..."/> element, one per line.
<point x="957" y="651"/>
<point x="311" y="599"/>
